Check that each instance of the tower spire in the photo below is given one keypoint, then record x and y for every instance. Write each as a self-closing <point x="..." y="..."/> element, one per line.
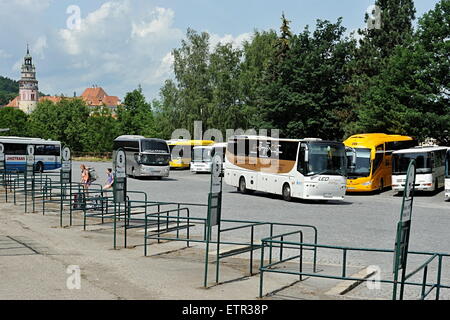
<point x="28" y="49"/>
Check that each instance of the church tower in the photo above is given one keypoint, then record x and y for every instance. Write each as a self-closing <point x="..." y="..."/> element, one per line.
<point x="28" y="85"/>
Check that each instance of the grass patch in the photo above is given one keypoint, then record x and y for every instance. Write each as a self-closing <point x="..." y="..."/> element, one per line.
<point x="91" y="159"/>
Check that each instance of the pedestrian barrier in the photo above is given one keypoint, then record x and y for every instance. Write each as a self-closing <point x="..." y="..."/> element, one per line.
<point x="177" y="221"/>
<point x="284" y="241"/>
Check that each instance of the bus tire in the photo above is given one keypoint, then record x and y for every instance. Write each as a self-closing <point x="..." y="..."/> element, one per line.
<point x="243" y="186"/>
<point x="436" y="185"/>
<point x="286" y="192"/>
<point x="39" y="167"/>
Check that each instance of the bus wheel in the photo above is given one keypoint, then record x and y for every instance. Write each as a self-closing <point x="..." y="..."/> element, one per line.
<point x="436" y="185"/>
<point x="39" y="167"/>
<point x="242" y="185"/>
<point x="287" y="192"/>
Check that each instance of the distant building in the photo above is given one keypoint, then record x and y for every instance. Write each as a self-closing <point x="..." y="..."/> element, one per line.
<point x="97" y="97"/>
<point x="28" y="87"/>
<point x="29" y="93"/>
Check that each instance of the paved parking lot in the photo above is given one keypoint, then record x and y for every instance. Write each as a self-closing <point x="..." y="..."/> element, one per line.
<point x="360" y="221"/>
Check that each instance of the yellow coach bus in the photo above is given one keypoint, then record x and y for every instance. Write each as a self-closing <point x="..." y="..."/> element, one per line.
<point x="181" y="151"/>
<point x="372" y="169"/>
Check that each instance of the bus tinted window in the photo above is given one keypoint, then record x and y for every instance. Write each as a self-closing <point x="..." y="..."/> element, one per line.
<point x="401" y="162"/>
<point x="46" y="150"/>
<point x="288" y="150"/>
<point x="399" y="145"/>
<point x="154" y="146"/>
<point x="15" y="148"/>
<point x="127" y="145"/>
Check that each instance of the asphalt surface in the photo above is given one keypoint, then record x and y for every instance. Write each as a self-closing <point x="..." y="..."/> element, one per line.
<point x="361" y="220"/>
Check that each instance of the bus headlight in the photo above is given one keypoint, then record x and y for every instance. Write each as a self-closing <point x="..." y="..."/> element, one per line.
<point x="368" y="183"/>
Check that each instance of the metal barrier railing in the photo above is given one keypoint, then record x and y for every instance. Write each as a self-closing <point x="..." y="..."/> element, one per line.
<point x="160" y="220"/>
<point x="300" y="245"/>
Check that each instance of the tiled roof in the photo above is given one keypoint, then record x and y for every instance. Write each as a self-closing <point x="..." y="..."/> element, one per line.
<point x="54" y="99"/>
<point x="97" y="97"/>
<point x="13" y="103"/>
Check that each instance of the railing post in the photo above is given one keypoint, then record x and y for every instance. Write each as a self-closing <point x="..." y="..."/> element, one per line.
<point x="301" y="255"/>
<point x="145" y="236"/>
<point x="281" y="248"/>
<point x="251" y="249"/>
<point x="261" y="272"/>
<point x="344" y="263"/>
<point x="270" y="245"/>
<point x="438" y="287"/>
<point x="424" y="282"/>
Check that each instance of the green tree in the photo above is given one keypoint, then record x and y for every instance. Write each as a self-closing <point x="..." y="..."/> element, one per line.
<point x="411" y="95"/>
<point x="168" y="113"/>
<point x="15" y="120"/>
<point x="374" y="48"/>
<point x="191" y="68"/>
<point x="226" y="105"/>
<point x="257" y="56"/>
<point x="101" y="130"/>
<point x="306" y="94"/>
<point x="135" y="115"/>
<point x="64" y="121"/>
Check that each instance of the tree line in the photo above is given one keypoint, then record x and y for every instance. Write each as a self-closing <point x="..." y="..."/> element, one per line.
<point x="320" y="82"/>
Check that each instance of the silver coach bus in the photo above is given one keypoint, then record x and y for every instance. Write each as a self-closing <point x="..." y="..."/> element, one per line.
<point x="145" y="157"/>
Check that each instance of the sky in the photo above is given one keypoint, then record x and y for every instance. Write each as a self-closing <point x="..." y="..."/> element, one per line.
<point x="121" y="44"/>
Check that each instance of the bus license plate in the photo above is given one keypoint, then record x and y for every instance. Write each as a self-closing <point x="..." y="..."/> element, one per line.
<point x="327" y="195"/>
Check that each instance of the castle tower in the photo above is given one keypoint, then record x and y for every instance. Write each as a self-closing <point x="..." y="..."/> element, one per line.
<point x="28" y="85"/>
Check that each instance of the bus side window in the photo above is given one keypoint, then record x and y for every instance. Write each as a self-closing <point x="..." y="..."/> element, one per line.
<point x="379" y="155"/>
<point x="39" y="150"/>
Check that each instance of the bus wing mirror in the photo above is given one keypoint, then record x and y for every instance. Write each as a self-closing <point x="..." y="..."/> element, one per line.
<point x="137" y="157"/>
<point x="305" y="152"/>
<point x="352" y="153"/>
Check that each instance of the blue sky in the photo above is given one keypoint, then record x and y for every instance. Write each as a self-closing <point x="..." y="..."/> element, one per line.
<point x="123" y="43"/>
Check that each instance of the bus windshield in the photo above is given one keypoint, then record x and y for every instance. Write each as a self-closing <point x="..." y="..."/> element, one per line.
<point x="400" y="162"/>
<point x="362" y="165"/>
<point x="155" y="159"/>
<point x="329" y="159"/>
<point x="154" y="146"/>
<point x="202" y="154"/>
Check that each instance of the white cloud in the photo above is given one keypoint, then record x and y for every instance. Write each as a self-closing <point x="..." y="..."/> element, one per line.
<point x="28" y="5"/>
<point x="237" y="41"/>
<point x="39" y="46"/>
<point x="4" y="54"/>
<point x="119" y="44"/>
<point x="160" y="23"/>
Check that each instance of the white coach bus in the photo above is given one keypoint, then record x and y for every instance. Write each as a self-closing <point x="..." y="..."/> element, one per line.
<point x="430" y="167"/>
<point x="144" y="156"/>
<point x="305" y="168"/>
<point x="203" y="155"/>
<point x="47" y="153"/>
<point x="447" y="175"/>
